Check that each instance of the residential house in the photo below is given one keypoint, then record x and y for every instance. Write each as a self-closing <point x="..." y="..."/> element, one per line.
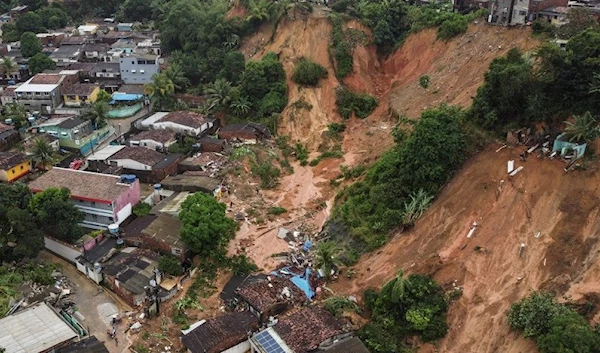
<point x="66" y="55"/>
<point x="539" y="5"/>
<point x="38" y="328"/>
<point x="139" y="68"/>
<point x="554" y="15"/>
<point x="209" y="144"/>
<point x="87" y="29"/>
<point x="149" y="166"/>
<point x="129" y="272"/>
<point x="98" y="161"/>
<point x="74" y="40"/>
<point x="124" y="27"/>
<point x="244" y="132"/>
<point x="99" y="250"/>
<point x="8" y="137"/>
<point x="158" y="232"/>
<point x="14" y="75"/>
<point x="52" y="141"/>
<point x="266" y="296"/>
<point x="65" y="127"/>
<point x="80" y="94"/>
<point x="95" y="52"/>
<point x="158" y="140"/>
<point x="226" y="333"/>
<point x="19" y="10"/>
<point x="351" y="345"/>
<point x="8" y="95"/>
<point x="302" y="331"/>
<point x="84" y="70"/>
<point x="108" y="75"/>
<point x="149" y="46"/>
<point x="41" y="92"/>
<point x="509" y="12"/>
<point x="13" y="165"/>
<point x="50" y="39"/>
<point x="105" y="199"/>
<point x="183" y="122"/>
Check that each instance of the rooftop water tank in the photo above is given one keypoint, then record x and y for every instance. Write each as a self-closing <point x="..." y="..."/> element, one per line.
<point x="157" y="186"/>
<point x="113" y="228"/>
<point x="123" y="178"/>
<point x="131" y="178"/>
<point x="8" y="121"/>
<point x="97" y="266"/>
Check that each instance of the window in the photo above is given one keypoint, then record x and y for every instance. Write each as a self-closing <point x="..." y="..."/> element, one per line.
<point x="111" y="219"/>
<point x="141" y="62"/>
<point x="95" y="217"/>
<point x="151" y="62"/>
<point x="132" y="62"/>
<point x="21" y="167"/>
<point x="522" y="13"/>
<point x="93" y="203"/>
<point x="83" y="98"/>
<point x="133" y="71"/>
<point x="81" y="201"/>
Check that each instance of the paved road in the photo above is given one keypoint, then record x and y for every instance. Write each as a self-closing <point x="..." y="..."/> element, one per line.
<point x="94" y="303"/>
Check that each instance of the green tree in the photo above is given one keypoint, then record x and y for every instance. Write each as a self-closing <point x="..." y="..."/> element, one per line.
<point x="8" y="66"/>
<point x="17" y="113"/>
<point x="20" y="237"/>
<point x="413" y="209"/>
<point x="533" y="314"/>
<point x="42" y="154"/>
<point x="234" y="64"/>
<point x="161" y="86"/>
<point x="327" y="257"/>
<point x="219" y="94"/>
<point x="258" y="11"/>
<point x="206" y="229"/>
<point x="240" y="106"/>
<point x="30" y="44"/>
<point x="40" y="62"/>
<point x="29" y="22"/>
<point x="142" y="209"/>
<point x="569" y="333"/>
<point x="56" y="214"/>
<point x="583" y="129"/>
<point x="97" y="113"/>
<point x="135" y="10"/>
<point x="264" y="83"/>
<point x="170" y="265"/>
<point x="53" y="17"/>
<point x="307" y="72"/>
<point x="103" y="96"/>
<point x="175" y="74"/>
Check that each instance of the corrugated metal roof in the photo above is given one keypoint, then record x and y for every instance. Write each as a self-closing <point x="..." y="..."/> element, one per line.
<point x="105" y="153"/>
<point x="33" y="330"/>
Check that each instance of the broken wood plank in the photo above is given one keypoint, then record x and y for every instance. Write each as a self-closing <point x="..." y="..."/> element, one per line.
<point x="501" y="148"/>
<point x="533" y="148"/>
<point x="514" y="172"/>
<point x="510" y="166"/>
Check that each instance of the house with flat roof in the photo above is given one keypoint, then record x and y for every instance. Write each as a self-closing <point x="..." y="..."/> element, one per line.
<point x="95" y="51"/>
<point x="87" y="29"/>
<point x="66" y="55"/>
<point x="226" y="333"/>
<point x="139" y="68"/>
<point x="65" y="127"/>
<point x="124" y="27"/>
<point x="34" y="330"/>
<point x="105" y="199"/>
<point x="41" y="92"/>
<point x="159" y="232"/>
<point x="13" y="165"/>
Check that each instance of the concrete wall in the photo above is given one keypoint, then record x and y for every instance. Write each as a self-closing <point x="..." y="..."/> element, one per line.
<point x="129" y="164"/>
<point x="130" y="197"/>
<point x="61" y="249"/>
<point x="129" y="64"/>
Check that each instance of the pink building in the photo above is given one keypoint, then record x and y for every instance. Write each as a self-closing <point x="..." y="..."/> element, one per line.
<point x="105" y="199"/>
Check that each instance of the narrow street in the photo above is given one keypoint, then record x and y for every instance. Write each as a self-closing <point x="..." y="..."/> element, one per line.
<point x="95" y="304"/>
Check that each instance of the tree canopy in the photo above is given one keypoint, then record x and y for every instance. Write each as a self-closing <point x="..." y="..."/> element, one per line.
<point x="56" y="215"/>
<point x="30" y="44"/>
<point x="40" y="62"/>
<point x="206" y="229"/>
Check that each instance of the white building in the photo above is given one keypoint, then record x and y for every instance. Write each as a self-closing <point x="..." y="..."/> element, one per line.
<point x="183" y="122"/>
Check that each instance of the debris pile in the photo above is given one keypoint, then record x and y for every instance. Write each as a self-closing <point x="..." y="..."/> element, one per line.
<point x="204" y="164"/>
<point x="56" y="295"/>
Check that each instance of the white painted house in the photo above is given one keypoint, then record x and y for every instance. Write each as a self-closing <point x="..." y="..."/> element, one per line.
<point x="184" y="122"/>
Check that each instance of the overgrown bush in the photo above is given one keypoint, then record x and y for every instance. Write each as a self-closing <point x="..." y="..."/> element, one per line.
<point x="242" y="265"/>
<point x="142" y="209"/>
<point x="268" y="174"/>
<point x="556" y="328"/>
<point x="424" y="81"/>
<point x="170" y="265"/>
<point x="264" y="83"/>
<point x="352" y="172"/>
<point x="348" y="102"/>
<point x="336" y="128"/>
<point x="301" y="154"/>
<point x="342" y="50"/>
<point x="339" y="305"/>
<point x="276" y="210"/>
<point x="308" y="73"/>
<point x="452" y="27"/>
<point x="405" y="307"/>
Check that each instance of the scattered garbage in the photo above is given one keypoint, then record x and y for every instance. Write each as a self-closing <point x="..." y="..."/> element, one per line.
<point x="472" y="230"/>
<point x="514" y="172"/>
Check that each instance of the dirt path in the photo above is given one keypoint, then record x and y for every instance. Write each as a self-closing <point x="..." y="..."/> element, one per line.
<point x="562" y="207"/>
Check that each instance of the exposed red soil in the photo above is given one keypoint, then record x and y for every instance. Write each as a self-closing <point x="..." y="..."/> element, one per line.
<point x="509" y="211"/>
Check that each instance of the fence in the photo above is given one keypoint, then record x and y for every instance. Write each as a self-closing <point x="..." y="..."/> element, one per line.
<point x="62" y="250"/>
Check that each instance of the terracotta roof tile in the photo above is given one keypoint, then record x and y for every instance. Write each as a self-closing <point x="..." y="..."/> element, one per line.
<point x="305" y="329"/>
<point x="82" y="184"/>
<point x="4" y="127"/>
<point x="162" y="136"/>
<point x="262" y="295"/>
<point x="220" y="333"/>
<point x="80" y="89"/>
<point x="10" y="159"/>
<point x="191" y="119"/>
<point x="46" y="79"/>
<point x="139" y="154"/>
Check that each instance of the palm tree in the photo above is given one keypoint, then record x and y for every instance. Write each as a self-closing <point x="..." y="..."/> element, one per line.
<point x="419" y="202"/>
<point x="258" y="11"/>
<point x="42" y="153"/>
<point x="395" y="288"/>
<point x="595" y="86"/>
<point x="219" y="93"/>
<point x="175" y="73"/>
<point x="326" y="257"/>
<point x="584" y="128"/>
<point x="160" y="86"/>
<point x="9" y="66"/>
<point x="241" y="106"/>
<point x="97" y="113"/>
<point x="232" y="41"/>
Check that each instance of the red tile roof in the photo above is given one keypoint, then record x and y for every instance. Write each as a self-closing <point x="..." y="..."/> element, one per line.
<point x="46" y="79"/>
<point x="4" y="127"/>
<point x="220" y="333"/>
<point x="10" y="159"/>
<point x="191" y="119"/>
<point x="305" y="329"/>
<point x="263" y="295"/>
<point x="139" y="154"/>
<point x="162" y="136"/>
<point x="86" y="185"/>
<point x="80" y="89"/>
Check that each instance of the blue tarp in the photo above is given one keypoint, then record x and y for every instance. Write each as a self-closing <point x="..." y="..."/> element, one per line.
<point x="302" y="282"/>
<point x="125" y="97"/>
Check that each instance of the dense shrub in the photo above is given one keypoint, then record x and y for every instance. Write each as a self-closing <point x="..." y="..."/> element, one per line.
<point x="348" y="102"/>
<point x="308" y="73"/>
<point x="342" y="49"/>
<point x="268" y="174"/>
<point x="375" y="205"/>
<point x="141" y="209"/>
<point x="170" y="265"/>
<point x="264" y="84"/>
<point x="424" y="81"/>
<point x="452" y="27"/>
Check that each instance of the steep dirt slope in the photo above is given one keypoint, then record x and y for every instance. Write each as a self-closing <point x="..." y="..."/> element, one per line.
<point x="563" y="207"/>
<point x="456" y="69"/>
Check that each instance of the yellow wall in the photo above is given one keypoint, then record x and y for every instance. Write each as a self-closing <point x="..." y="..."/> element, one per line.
<point x="15" y="172"/>
<point x="77" y="99"/>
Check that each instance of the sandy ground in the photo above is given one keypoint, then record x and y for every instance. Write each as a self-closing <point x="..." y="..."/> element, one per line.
<point x="563" y="207"/>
